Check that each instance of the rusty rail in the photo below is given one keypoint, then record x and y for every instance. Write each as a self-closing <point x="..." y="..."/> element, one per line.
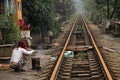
<point x="98" y="52"/>
<point x="53" y="76"/>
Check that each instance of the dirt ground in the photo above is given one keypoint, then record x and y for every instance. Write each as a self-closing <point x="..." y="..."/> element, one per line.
<point x="45" y="57"/>
<point x="29" y="74"/>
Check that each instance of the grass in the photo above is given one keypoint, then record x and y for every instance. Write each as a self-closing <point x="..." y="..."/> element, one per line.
<point x="72" y="18"/>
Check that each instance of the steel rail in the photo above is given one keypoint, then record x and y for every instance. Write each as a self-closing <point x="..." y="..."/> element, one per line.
<point x="53" y="76"/>
<point x="98" y="52"/>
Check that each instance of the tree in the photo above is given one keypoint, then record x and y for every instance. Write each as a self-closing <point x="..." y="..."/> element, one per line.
<point x="111" y="7"/>
<point x="104" y="8"/>
<point x="40" y="14"/>
<point x="64" y="8"/>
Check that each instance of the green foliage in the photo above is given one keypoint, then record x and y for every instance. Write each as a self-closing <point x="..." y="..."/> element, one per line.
<point x="10" y="31"/>
<point x="72" y="18"/>
<point x="39" y="13"/>
<point x="103" y="9"/>
<point x="64" y="8"/>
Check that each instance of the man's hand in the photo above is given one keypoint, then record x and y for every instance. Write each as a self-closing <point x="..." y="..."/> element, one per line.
<point x="35" y="51"/>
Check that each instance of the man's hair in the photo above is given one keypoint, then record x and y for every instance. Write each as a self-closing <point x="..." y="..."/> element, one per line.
<point x="23" y="43"/>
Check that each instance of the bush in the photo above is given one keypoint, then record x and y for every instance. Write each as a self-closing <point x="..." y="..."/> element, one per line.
<point x="10" y="31"/>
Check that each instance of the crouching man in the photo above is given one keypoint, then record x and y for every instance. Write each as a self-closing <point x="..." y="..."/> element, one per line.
<point x="18" y="59"/>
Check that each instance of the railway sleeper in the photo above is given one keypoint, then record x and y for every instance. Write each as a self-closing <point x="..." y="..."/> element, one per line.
<point x="51" y="63"/>
<point x="49" y="66"/>
<point x="78" y="41"/>
<point x="91" y="56"/>
<point x="80" y="66"/>
<point x="63" y="77"/>
<point x="81" y="75"/>
<point x="46" y="74"/>
<point x="94" y="64"/>
<point x="47" y="71"/>
<point x="80" y="71"/>
<point x="67" y="64"/>
<point x="80" y="44"/>
<point x="95" y="73"/>
<point x="65" y="73"/>
<point x="70" y="63"/>
<point x="87" y="78"/>
<point x="74" y="59"/>
<point x="43" y="78"/>
<point x="90" y="53"/>
<point x="83" y="62"/>
<point x="65" y="70"/>
<point x="117" y="68"/>
<point x="94" y="69"/>
<point x="93" y="61"/>
<point x="80" y="63"/>
<point x="98" y="77"/>
<point x="117" y="74"/>
<point x="67" y="61"/>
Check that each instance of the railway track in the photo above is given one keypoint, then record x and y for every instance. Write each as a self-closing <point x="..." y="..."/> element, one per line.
<point x="84" y="61"/>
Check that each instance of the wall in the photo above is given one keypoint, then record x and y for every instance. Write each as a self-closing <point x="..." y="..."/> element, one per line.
<point x="35" y="39"/>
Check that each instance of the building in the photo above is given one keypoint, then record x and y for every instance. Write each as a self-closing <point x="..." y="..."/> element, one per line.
<point x="116" y="32"/>
<point x="14" y="8"/>
<point x="11" y="8"/>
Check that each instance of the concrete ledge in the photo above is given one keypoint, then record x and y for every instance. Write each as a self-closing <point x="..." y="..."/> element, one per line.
<point x="4" y="58"/>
